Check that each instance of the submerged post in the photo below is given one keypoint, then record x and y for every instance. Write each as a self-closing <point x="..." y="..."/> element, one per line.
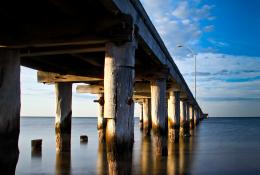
<point x="63" y="116"/>
<point x="147" y="118"/>
<point x="9" y="109"/>
<point x="174" y="115"/>
<point x="101" y="126"/>
<point x="159" y="124"/>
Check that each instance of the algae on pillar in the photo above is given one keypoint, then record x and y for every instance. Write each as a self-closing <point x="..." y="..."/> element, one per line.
<point x="63" y="116"/>
<point x="159" y="115"/>
<point x="147" y="118"/>
<point x="10" y="103"/>
<point x="174" y="115"/>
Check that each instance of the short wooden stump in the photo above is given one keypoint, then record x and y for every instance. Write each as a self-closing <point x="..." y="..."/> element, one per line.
<point x="83" y="139"/>
<point x="36" y="145"/>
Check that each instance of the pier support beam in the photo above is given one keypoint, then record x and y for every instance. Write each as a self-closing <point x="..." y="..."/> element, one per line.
<point x="196" y="121"/>
<point x="159" y="116"/>
<point x="183" y="117"/>
<point x="191" y="108"/>
<point x="141" y="117"/>
<point x="63" y="116"/>
<point x="147" y="118"/>
<point x="174" y="115"/>
<point x="101" y="125"/>
<point x="187" y="123"/>
<point x="118" y="93"/>
<point x="9" y="109"/>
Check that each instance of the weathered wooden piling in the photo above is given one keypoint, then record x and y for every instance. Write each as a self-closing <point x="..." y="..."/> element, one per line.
<point x="9" y="109"/>
<point x="187" y="123"/>
<point x="118" y="93"/>
<point x="191" y="108"/>
<point x="63" y="116"/>
<point x="63" y="163"/>
<point x="174" y="115"/>
<point x="141" y="116"/>
<point x="36" y="145"/>
<point x="147" y="118"/>
<point x="159" y="119"/>
<point x="101" y="125"/>
<point x="196" y="121"/>
<point x="83" y="139"/>
<point x="183" y="117"/>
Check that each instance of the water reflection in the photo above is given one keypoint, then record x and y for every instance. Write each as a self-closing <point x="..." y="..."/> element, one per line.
<point x="102" y="166"/>
<point x="63" y="163"/>
<point x="146" y="157"/>
<point x="119" y="161"/>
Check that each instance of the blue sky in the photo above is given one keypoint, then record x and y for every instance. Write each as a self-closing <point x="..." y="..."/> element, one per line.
<point x="225" y="34"/>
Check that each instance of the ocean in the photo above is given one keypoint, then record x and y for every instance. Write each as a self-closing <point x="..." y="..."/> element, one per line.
<point x="217" y="146"/>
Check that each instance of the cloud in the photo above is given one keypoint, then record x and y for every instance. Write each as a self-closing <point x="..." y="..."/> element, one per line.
<point x="209" y="28"/>
<point x="179" y="22"/>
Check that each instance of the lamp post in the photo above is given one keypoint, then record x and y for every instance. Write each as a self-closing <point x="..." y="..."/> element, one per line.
<point x="195" y="67"/>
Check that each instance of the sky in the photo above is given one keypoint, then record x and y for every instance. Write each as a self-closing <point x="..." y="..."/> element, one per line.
<point x="224" y="35"/>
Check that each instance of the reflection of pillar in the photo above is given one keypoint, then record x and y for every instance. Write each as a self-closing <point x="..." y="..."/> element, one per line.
<point x="102" y="167"/>
<point x="186" y="150"/>
<point x="9" y="109"/>
<point x="101" y="126"/>
<point x="146" y="155"/>
<point x="147" y="119"/>
<point x="120" y="161"/>
<point x="63" y="163"/>
<point x="159" y="124"/>
<point x="63" y="116"/>
<point x="141" y="117"/>
<point x="173" y="159"/>
<point x="174" y="115"/>
<point x="119" y="105"/>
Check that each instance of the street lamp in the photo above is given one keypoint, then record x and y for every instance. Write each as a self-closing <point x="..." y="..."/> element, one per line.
<point x="195" y="67"/>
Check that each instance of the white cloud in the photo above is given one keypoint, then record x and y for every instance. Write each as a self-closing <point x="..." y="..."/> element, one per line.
<point x="179" y="22"/>
<point x="209" y="28"/>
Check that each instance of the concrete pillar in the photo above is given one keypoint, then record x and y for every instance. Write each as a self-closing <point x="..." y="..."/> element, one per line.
<point x="147" y="118"/>
<point x="191" y="108"/>
<point x="174" y="115"/>
<point x="101" y="126"/>
<point x="63" y="116"/>
<point x="9" y="109"/>
<point x="159" y="115"/>
<point x="118" y="92"/>
<point x="183" y="117"/>
<point x="141" y="117"/>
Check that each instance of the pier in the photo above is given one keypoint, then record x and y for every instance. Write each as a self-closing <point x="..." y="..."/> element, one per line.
<point x="112" y="47"/>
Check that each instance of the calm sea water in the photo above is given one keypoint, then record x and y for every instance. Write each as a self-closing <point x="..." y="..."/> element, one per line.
<point x="218" y="146"/>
